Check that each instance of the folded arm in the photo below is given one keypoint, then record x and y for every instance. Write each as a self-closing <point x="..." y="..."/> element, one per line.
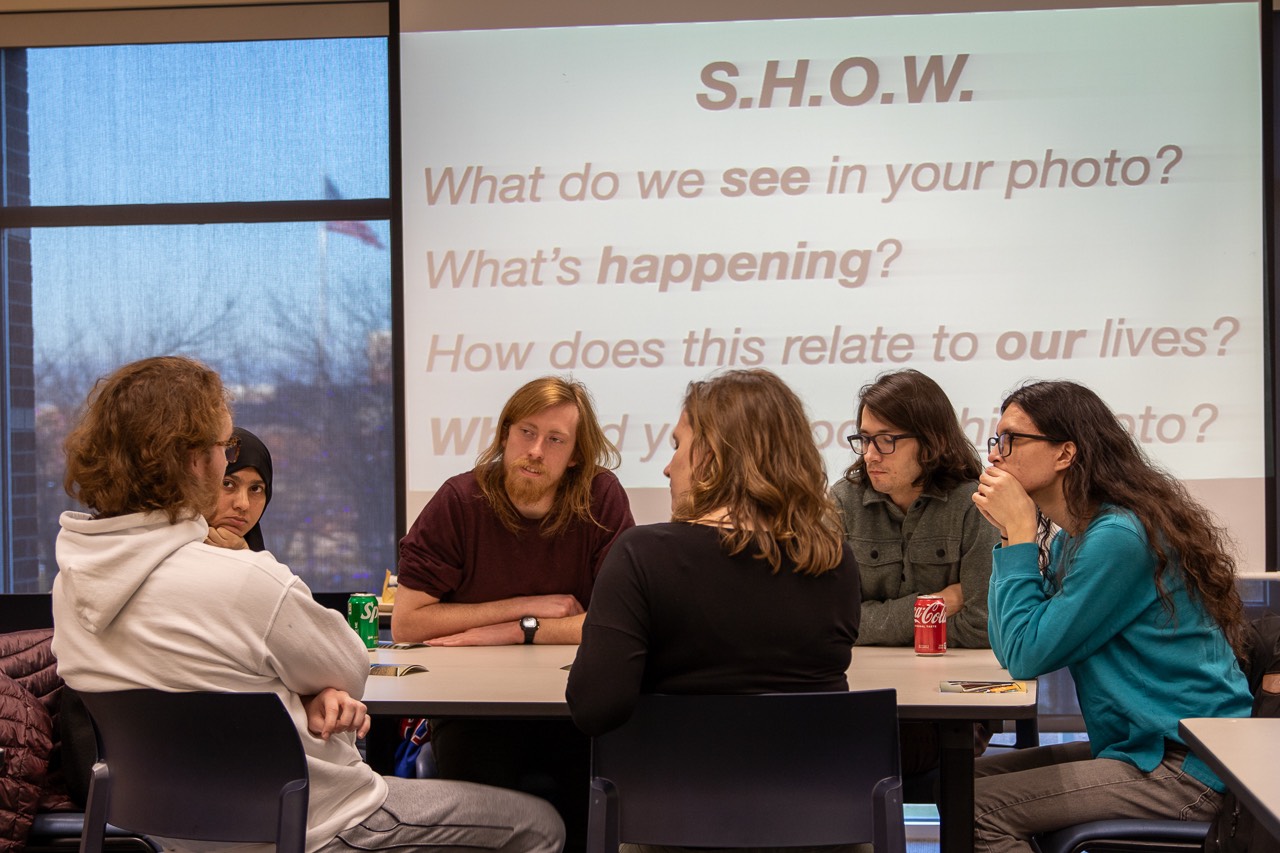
<point x="420" y="617"/>
<point x="333" y="711"/>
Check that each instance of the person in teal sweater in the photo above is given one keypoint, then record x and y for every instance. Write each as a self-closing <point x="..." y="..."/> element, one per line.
<point x="1108" y="567"/>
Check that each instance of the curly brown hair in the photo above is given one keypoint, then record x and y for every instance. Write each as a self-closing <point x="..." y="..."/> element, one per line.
<point x="1110" y="467"/>
<point x="755" y="458"/>
<point x="592" y="451"/>
<point x="131" y="450"/>
<point x="912" y="401"/>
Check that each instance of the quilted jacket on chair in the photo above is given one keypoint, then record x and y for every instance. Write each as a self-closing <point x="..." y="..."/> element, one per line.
<point x="30" y="772"/>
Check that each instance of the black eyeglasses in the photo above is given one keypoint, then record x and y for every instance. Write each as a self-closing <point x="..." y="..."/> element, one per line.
<point x="885" y="442"/>
<point x="1003" y="443"/>
<point x="231" y="447"/>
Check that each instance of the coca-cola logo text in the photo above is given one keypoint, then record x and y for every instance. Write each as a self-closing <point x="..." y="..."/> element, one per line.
<point x="932" y="615"/>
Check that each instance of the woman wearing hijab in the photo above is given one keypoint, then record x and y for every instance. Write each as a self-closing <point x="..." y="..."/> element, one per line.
<point x="246" y="491"/>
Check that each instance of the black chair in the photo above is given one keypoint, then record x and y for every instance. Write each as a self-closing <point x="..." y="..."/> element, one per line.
<point x="333" y="600"/>
<point x="23" y="611"/>
<point x="199" y="766"/>
<point x="772" y="770"/>
<point x="60" y="832"/>
<point x="1126" y="836"/>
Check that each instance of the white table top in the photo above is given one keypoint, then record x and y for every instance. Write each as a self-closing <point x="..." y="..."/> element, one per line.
<point x="1245" y="753"/>
<point x="916" y="678"/>
<point x="530" y="681"/>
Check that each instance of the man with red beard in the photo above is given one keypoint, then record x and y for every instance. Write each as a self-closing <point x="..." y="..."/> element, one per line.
<point x="508" y="553"/>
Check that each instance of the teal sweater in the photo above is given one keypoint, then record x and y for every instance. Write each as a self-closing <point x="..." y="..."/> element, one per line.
<point x="1138" y="671"/>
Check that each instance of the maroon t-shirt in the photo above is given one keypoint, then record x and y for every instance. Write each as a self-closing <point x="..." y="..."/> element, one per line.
<point x="459" y="551"/>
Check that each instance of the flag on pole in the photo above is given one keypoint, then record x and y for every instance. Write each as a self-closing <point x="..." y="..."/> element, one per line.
<point x="351" y="227"/>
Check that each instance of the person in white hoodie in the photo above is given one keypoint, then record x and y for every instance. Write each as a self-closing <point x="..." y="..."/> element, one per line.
<point x="142" y="601"/>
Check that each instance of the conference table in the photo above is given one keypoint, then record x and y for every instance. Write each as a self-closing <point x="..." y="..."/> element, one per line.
<point x="528" y="682"/>
<point x="1245" y="753"/>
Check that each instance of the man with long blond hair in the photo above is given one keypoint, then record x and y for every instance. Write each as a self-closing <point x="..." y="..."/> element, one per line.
<point x="508" y="553"/>
<point x="141" y="600"/>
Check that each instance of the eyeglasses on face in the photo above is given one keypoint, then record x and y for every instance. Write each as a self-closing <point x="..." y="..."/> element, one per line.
<point x="885" y="442"/>
<point x="231" y="447"/>
<point x="1003" y="443"/>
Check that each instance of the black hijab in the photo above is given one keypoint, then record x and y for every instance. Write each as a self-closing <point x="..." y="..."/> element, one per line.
<point x="253" y="454"/>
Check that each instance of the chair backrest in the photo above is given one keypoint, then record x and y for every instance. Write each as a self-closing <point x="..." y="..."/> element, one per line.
<point x="770" y="770"/>
<point x="201" y="766"/>
<point x="333" y="600"/>
<point x="25" y="611"/>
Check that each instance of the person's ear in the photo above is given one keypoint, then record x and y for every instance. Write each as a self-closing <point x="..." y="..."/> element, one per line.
<point x="1066" y="456"/>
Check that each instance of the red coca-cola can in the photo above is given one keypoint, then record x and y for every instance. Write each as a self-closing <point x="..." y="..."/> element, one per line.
<point x="931" y="625"/>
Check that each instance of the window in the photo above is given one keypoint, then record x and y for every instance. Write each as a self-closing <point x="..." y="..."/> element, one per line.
<point x="228" y="201"/>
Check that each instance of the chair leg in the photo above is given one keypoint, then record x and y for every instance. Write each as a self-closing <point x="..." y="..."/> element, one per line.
<point x="602" y="820"/>
<point x="95" y="811"/>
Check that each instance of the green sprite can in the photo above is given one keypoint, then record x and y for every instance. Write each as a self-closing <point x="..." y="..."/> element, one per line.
<point x="362" y="616"/>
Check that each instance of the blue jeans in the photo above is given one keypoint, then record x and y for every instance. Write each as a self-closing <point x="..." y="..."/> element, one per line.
<point x="1031" y="791"/>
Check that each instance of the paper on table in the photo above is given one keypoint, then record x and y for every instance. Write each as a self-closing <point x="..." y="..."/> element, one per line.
<point x="395" y="669"/>
<point x="983" y="687"/>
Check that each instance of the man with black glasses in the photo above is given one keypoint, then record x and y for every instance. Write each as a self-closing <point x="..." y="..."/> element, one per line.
<point x="906" y="507"/>
<point x="905" y="502"/>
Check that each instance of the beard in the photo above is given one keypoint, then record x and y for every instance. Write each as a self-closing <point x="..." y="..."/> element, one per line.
<point x="525" y="492"/>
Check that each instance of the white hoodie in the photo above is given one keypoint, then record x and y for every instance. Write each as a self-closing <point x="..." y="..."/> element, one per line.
<point x="139" y="602"/>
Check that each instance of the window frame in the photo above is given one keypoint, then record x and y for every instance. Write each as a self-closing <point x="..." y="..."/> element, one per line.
<point x="89" y="23"/>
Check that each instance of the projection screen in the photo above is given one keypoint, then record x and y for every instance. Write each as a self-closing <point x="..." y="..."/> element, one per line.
<point x="640" y="197"/>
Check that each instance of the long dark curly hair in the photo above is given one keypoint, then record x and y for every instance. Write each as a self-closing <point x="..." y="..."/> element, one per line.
<point x="1110" y="467"/>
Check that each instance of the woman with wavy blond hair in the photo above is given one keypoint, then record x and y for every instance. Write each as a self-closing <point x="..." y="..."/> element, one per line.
<point x="749" y="589"/>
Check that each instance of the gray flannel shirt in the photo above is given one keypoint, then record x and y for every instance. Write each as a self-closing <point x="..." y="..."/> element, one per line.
<point x="942" y="539"/>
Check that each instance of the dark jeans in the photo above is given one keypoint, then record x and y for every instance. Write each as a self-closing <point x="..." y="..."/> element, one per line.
<point x="919" y="743"/>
